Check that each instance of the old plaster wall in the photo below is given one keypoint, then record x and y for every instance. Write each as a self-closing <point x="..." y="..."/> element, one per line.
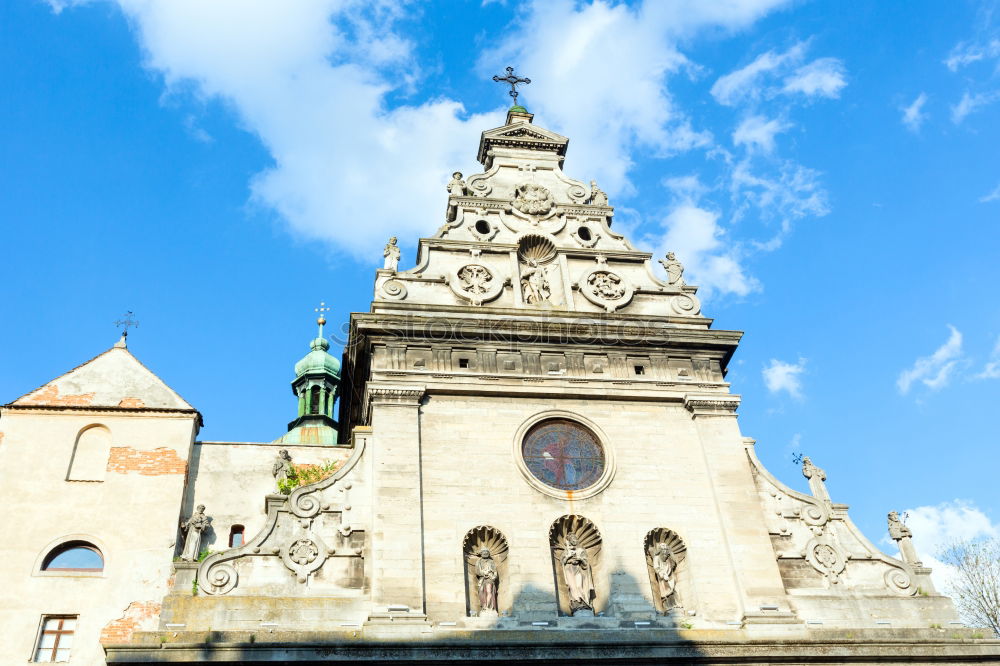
<point x="131" y="516"/>
<point x="662" y="480"/>
<point x="232" y="478"/>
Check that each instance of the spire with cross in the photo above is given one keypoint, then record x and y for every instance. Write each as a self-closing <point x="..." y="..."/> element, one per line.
<point x="513" y="80"/>
<point x="321" y="319"/>
<point x="127" y="321"/>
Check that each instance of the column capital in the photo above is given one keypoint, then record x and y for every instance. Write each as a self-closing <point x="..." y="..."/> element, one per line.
<point x="722" y="404"/>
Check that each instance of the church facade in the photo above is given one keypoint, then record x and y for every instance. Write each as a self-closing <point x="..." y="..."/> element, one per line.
<point x="534" y="458"/>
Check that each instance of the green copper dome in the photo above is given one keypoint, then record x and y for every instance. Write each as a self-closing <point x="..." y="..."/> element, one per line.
<point x="318" y="360"/>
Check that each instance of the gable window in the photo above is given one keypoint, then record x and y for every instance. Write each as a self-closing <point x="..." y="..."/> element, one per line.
<point x="235" y="536"/>
<point x="73" y="556"/>
<point x="55" y="638"/>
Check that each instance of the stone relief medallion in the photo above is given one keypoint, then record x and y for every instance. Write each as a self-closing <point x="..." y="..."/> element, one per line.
<point x="826" y="557"/>
<point x="606" y="288"/>
<point x="303" y="551"/>
<point x="685" y="304"/>
<point x="393" y="289"/>
<point x="475" y="283"/>
<point x="533" y="199"/>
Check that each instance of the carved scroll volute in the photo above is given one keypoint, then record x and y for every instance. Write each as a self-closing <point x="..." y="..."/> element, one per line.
<point x="476" y="541"/>
<point x="668" y="566"/>
<point x="589" y="586"/>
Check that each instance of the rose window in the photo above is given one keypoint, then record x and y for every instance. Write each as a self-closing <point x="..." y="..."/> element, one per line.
<point x="563" y="454"/>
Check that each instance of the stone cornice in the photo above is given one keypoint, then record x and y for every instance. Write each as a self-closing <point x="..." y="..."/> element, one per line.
<point x="712" y="405"/>
<point x="394" y="395"/>
<point x="94" y="409"/>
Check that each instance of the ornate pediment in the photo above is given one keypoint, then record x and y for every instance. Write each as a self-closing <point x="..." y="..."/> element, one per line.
<point x="521" y="135"/>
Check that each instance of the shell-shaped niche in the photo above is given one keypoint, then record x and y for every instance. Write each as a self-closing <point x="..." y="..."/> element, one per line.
<point x="493" y="540"/>
<point x="669" y="569"/>
<point x="590" y="579"/>
<point x="538" y="247"/>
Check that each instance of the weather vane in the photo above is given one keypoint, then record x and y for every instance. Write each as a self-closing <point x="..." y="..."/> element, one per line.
<point x="513" y="80"/>
<point x="127" y="321"/>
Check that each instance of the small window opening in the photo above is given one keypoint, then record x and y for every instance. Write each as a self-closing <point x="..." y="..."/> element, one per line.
<point x="483" y="227"/>
<point x="74" y="556"/>
<point x="235" y="536"/>
<point x="584" y="234"/>
<point x="640" y="370"/>
<point x="463" y="363"/>
<point x="314" y="400"/>
<point x="55" y="639"/>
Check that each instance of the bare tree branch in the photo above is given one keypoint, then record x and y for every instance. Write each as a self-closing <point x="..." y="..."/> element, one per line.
<point x="977" y="581"/>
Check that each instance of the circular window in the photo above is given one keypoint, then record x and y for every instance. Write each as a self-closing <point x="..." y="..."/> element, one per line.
<point x="483" y="227"/>
<point x="584" y="234"/>
<point x="563" y="454"/>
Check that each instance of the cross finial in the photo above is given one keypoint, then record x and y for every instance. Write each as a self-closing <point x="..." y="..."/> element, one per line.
<point x="513" y="80"/>
<point x="127" y="321"/>
<point x="321" y="319"/>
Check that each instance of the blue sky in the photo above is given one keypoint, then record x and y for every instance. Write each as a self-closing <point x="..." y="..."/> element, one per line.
<point x="827" y="171"/>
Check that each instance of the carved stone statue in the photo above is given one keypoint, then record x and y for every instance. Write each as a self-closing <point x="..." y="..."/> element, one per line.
<point x="193" y="527"/>
<point x="597" y="195"/>
<point x="535" y="286"/>
<point x="901" y="534"/>
<point x="487" y="582"/>
<point x="456" y="186"/>
<point x="578" y="576"/>
<point x="674" y="269"/>
<point x="281" y="468"/>
<point x="816" y="478"/>
<point x="391" y="254"/>
<point x="665" y="567"/>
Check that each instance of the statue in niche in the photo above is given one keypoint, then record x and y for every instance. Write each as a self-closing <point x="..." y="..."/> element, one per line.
<point x="578" y="576"/>
<point x="193" y="528"/>
<point x="674" y="269"/>
<point x="597" y="195"/>
<point x="900" y="533"/>
<point x="816" y="478"/>
<point x="456" y="186"/>
<point x="665" y="568"/>
<point x="391" y="254"/>
<point x="487" y="582"/>
<point x="535" y="286"/>
<point x="281" y="468"/>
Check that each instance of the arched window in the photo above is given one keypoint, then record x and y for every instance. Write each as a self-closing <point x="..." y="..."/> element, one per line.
<point x="90" y="454"/>
<point x="74" y="556"/>
<point x="314" y="407"/>
<point x="235" y="536"/>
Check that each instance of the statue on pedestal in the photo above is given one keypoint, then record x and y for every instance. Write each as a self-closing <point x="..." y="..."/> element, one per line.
<point x="193" y="527"/>
<point x="487" y="582"/>
<point x="665" y="567"/>
<point x="674" y="269"/>
<point x="816" y="478"/>
<point x="901" y="534"/>
<point x="282" y="468"/>
<point x="391" y="254"/>
<point x="578" y="576"/>
<point x="456" y="186"/>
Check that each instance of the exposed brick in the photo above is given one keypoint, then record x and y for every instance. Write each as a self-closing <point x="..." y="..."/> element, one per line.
<point x="131" y="402"/>
<point x="49" y="395"/>
<point x="159" y="461"/>
<point x="139" y="616"/>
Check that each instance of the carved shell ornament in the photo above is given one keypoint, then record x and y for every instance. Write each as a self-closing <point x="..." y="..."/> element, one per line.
<point x="532" y="199"/>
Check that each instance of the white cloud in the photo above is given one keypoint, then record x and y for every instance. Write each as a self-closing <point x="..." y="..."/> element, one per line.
<point x="780" y="376"/>
<point x="791" y="194"/>
<point x="965" y="54"/>
<point x="992" y="196"/>
<point x="913" y="115"/>
<point x="696" y="237"/>
<point x="992" y="368"/>
<point x="745" y="83"/>
<point x="758" y="131"/>
<point x="934" y="371"/>
<point x="936" y="527"/>
<point x="971" y="103"/>
<point x="824" y="77"/>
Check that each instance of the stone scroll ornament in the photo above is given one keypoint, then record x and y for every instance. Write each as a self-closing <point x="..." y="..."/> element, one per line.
<point x="532" y="199"/>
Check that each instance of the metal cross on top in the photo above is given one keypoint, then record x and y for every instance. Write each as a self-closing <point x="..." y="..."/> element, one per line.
<point x="127" y="321"/>
<point x="513" y="80"/>
<point x="321" y="309"/>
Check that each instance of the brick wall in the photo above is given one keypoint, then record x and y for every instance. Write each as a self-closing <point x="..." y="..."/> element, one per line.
<point x="140" y="615"/>
<point x="156" y="462"/>
<point x="49" y="395"/>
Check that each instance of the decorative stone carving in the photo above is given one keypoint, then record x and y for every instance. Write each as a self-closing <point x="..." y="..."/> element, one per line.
<point x="475" y="283"/>
<point x="281" y="468"/>
<point x="685" y="304"/>
<point x="535" y="246"/>
<point x="391" y="254"/>
<point x="305" y="555"/>
<point x="394" y="289"/>
<point x="665" y="554"/>
<point x="816" y="478"/>
<point x="485" y="551"/>
<point x="901" y="534"/>
<point x="576" y="546"/>
<point x="535" y="287"/>
<point x="826" y="557"/>
<point x="597" y="195"/>
<point x="900" y="582"/>
<point x="532" y="199"/>
<point x="456" y="186"/>
<point x="585" y="236"/>
<point x="606" y="288"/>
<point x="674" y="269"/>
<point x="193" y="528"/>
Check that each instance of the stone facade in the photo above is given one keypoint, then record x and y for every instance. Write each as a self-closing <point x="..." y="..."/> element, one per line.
<point x="531" y="404"/>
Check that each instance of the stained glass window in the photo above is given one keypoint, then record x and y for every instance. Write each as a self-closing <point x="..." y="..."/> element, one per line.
<point x="563" y="454"/>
